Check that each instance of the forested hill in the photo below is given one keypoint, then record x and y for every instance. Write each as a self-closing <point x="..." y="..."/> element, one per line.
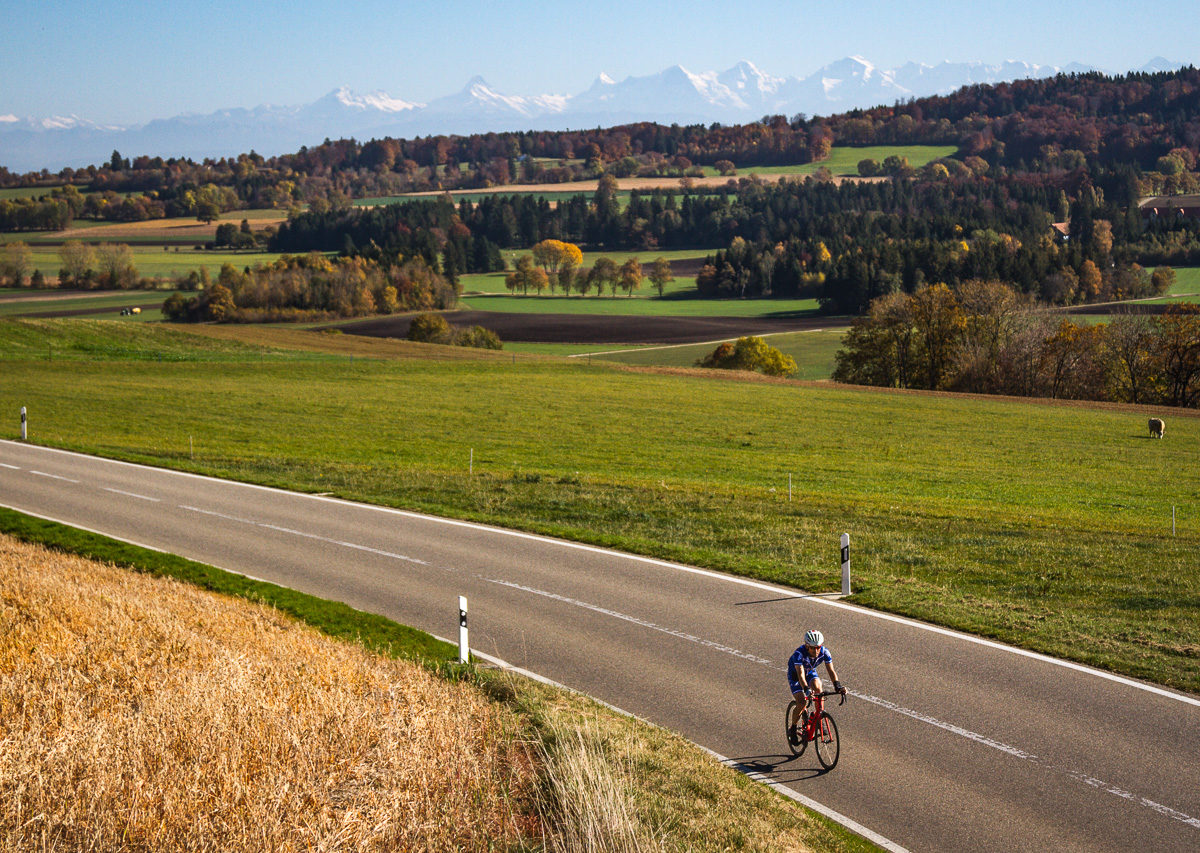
<point x="1133" y="119"/>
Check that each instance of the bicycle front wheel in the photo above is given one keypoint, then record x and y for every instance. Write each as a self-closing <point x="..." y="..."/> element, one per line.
<point x="828" y="745"/>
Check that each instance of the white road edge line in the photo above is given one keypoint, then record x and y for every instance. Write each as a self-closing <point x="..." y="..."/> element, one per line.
<point x="519" y="534"/>
<point x="6" y="465"/>
<point x="837" y="817"/>
<point x="133" y="542"/>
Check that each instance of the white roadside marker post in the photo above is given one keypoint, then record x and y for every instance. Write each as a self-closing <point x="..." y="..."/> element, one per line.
<point x="462" y="629"/>
<point x="23" y="434"/>
<point x="845" y="564"/>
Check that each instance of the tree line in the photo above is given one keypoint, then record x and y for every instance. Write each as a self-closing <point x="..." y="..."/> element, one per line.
<point x="309" y="287"/>
<point x="983" y="337"/>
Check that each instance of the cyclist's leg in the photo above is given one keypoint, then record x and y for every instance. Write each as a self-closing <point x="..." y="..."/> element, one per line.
<point x="814" y="684"/>
<point x="801" y="701"/>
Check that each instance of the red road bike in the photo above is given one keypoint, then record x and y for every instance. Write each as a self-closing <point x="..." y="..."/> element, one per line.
<point x="818" y="729"/>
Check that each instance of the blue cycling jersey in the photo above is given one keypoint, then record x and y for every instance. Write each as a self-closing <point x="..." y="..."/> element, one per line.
<point x="808" y="663"/>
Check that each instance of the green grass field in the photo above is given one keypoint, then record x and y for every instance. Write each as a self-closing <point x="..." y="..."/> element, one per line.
<point x="153" y="262"/>
<point x="813" y="351"/>
<point x="843" y="160"/>
<point x="1045" y="525"/>
<point x="150" y="301"/>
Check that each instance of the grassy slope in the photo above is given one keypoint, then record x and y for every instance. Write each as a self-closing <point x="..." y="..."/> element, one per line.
<point x="1044" y="525"/>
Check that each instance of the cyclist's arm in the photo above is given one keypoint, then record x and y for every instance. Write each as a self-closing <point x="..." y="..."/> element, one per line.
<point x="832" y="672"/>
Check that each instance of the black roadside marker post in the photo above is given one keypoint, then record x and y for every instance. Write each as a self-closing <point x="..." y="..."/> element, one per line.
<point x="22" y="423"/>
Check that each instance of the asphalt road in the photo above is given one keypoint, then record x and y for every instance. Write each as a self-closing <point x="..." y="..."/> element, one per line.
<point x="949" y="743"/>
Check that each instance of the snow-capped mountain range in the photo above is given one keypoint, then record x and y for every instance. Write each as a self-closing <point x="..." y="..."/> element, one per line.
<point x="741" y="94"/>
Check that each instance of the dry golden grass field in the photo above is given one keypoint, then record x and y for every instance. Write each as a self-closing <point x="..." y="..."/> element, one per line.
<point x="138" y="713"/>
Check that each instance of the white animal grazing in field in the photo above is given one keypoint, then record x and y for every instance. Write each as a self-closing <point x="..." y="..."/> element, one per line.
<point x="1157" y="427"/>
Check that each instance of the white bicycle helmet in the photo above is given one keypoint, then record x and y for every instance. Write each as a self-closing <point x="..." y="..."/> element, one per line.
<point x="814" y="638"/>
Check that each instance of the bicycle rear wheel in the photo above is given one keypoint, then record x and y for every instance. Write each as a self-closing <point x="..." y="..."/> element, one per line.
<point x="796" y="748"/>
<point x="828" y="744"/>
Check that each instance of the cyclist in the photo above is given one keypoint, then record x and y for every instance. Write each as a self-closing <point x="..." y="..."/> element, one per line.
<point x="803" y="678"/>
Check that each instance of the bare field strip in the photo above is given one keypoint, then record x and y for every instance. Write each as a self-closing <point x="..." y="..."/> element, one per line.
<point x="176" y="230"/>
<point x="598" y="329"/>
<point x="627" y="184"/>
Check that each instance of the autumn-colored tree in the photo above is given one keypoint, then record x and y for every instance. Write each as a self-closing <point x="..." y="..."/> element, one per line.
<point x="527" y="275"/>
<point x="1162" y="280"/>
<point x="750" y="353"/>
<point x="660" y="274"/>
<point x="1129" y="348"/>
<point x="868" y="167"/>
<point x="555" y="256"/>
<point x="604" y="271"/>
<point x="939" y="321"/>
<point x="77" y="259"/>
<point x="219" y="304"/>
<point x="820" y="143"/>
<point x="991" y="308"/>
<point x="115" y="262"/>
<point x="1178" y="340"/>
<point x="630" y="276"/>
<point x="725" y="167"/>
<point x="1102" y="239"/>
<point x="1090" y="280"/>
<point x="429" y="328"/>
<point x="1071" y="362"/>
<point x="880" y="346"/>
<point x="15" y="264"/>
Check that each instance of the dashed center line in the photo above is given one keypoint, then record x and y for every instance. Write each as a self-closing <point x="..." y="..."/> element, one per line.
<point x="131" y="495"/>
<point x="306" y="535"/>
<point x="53" y="476"/>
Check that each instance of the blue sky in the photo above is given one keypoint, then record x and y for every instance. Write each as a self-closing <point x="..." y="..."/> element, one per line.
<point x="129" y="62"/>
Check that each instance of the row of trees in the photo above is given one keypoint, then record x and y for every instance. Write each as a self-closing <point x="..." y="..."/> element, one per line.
<point x="311" y="287"/>
<point x="555" y="265"/>
<point x="106" y="266"/>
<point x="986" y="338"/>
